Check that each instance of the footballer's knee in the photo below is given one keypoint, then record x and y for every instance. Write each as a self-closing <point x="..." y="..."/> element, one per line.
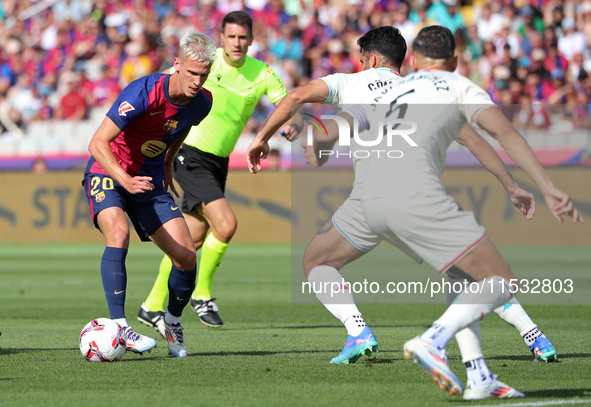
<point x="185" y="259"/>
<point x="310" y="260"/>
<point x="197" y="244"/>
<point x="114" y="228"/>
<point x="117" y="237"/>
<point x="198" y="239"/>
<point x="313" y="258"/>
<point x="226" y="229"/>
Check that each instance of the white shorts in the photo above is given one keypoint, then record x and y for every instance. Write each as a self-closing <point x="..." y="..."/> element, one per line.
<point x="434" y="227"/>
<point x="350" y="222"/>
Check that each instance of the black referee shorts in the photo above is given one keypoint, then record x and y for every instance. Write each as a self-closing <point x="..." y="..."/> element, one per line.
<point x="201" y="175"/>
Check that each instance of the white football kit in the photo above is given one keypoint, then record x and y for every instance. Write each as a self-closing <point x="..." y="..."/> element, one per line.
<point x="403" y="199"/>
<point x="348" y="89"/>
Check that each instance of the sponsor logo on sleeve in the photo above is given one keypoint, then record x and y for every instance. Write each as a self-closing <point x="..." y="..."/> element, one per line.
<point x="124" y="108"/>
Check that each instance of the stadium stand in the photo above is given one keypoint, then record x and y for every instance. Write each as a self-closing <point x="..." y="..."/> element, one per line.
<point x="532" y="57"/>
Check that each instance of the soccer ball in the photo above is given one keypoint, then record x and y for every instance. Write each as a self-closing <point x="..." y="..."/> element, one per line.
<point x="102" y="340"/>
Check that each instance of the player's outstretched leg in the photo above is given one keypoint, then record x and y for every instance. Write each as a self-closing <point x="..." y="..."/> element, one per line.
<point x="173" y="332"/>
<point x="356" y="346"/>
<point x="136" y="342"/>
<point x="481" y="383"/>
<point x="339" y="301"/>
<point x="181" y="284"/>
<point x="513" y="313"/>
<point x="207" y="311"/>
<point x="212" y="253"/>
<point x="149" y="318"/>
<point x="432" y="359"/>
<point x="495" y="388"/>
<point x="114" y="276"/>
<point x="543" y="349"/>
<point x="152" y="310"/>
<point x="470" y="306"/>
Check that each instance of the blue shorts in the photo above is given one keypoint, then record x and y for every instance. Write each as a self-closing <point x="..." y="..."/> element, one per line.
<point x="147" y="211"/>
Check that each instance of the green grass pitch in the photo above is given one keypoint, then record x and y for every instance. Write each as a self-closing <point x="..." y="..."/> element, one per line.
<point x="270" y="352"/>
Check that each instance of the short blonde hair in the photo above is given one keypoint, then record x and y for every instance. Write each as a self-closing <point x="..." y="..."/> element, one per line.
<point x="197" y="47"/>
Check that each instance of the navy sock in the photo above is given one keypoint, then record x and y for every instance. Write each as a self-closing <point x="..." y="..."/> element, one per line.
<point x="181" y="284"/>
<point x="114" y="277"/>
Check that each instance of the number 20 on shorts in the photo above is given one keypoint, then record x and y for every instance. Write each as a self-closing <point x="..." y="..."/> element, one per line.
<point x="95" y="184"/>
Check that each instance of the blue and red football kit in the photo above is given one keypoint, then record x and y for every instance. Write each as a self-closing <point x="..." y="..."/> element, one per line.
<point x="150" y="122"/>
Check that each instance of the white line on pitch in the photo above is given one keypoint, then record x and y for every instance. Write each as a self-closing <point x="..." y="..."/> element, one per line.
<point x="541" y="403"/>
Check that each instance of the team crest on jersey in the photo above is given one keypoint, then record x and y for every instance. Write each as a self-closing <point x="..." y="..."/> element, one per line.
<point x="124" y="108"/>
<point x="100" y="197"/>
<point x="170" y="125"/>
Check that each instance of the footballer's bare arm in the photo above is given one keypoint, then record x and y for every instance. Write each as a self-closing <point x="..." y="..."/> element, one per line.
<point x="488" y="157"/>
<point x="496" y="124"/>
<point x="100" y="148"/>
<point x="316" y="91"/>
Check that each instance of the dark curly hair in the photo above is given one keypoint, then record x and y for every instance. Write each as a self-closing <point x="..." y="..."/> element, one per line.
<point x="387" y="41"/>
<point x="435" y="42"/>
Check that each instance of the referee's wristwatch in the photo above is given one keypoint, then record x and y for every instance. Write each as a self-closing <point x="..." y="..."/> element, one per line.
<point x="296" y="127"/>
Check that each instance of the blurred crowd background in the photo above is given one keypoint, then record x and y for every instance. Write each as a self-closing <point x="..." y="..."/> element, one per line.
<point x="60" y="60"/>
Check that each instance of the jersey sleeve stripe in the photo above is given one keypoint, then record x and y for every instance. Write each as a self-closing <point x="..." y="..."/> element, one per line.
<point x="329" y="92"/>
<point x="477" y="112"/>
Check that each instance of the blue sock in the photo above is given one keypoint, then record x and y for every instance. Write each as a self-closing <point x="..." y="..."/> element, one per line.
<point x="181" y="284"/>
<point x="114" y="277"/>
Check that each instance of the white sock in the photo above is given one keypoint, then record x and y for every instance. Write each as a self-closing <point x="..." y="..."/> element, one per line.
<point x="478" y="372"/>
<point x="468" y="338"/>
<point x="331" y="290"/>
<point x="513" y="313"/>
<point x="469" y="342"/>
<point x="171" y="319"/>
<point x="437" y="336"/>
<point x="355" y="324"/>
<point x="475" y="303"/>
<point x="122" y="322"/>
<point x="531" y="336"/>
